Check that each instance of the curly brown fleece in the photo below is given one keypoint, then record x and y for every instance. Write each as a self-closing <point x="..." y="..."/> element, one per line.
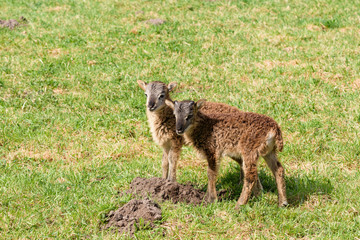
<point x="238" y="135"/>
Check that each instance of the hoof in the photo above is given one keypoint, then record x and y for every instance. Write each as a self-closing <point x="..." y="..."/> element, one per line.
<point x="284" y="204"/>
<point x="171" y="179"/>
<point x="257" y="192"/>
<point x="239" y="205"/>
<point x="210" y="199"/>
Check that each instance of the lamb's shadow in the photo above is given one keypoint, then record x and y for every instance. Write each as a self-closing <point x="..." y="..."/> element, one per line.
<point x="298" y="187"/>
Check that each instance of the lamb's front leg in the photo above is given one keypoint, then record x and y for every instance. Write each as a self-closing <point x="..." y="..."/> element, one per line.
<point x="212" y="171"/>
<point x="173" y="157"/>
<point x="165" y="163"/>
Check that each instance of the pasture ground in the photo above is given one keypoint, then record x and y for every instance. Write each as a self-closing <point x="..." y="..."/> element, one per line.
<point x="73" y="129"/>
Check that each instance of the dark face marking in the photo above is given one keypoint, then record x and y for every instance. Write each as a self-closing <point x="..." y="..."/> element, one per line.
<point x="184" y="113"/>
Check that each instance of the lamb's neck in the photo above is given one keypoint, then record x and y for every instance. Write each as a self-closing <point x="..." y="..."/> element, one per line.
<point x="157" y="114"/>
<point x="160" y="114"/>
<point x="193" y="131"/>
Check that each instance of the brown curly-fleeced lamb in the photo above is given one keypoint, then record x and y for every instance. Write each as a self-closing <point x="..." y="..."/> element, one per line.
<point x="238" y="135"/>
<point x="162" y="125"/>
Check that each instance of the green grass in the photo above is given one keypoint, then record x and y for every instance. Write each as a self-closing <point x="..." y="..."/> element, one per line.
<point x="73" y="130"/>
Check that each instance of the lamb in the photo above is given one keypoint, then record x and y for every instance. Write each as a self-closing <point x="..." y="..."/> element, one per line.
<point x="162" y="125"/>
<point x="238" y="135"/>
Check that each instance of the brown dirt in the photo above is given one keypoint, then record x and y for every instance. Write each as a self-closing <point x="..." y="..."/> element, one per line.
<point x="128" y="218"/>
<point x="163" y="189"/>
<point x="12" y="23"/>
<point x="9" y="23"/>
<point x="156" y="21"/>
<point x="125" y="218"/>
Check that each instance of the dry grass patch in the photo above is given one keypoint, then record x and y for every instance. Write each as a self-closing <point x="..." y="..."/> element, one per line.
<point x="246" y="230"/>
<point x="315" y="202"/>
<point x="306" y="167"/>
<point x="174" y="229"/>
<point x="59" y="91"/>
<point x="91" y="62"/>
<point x="356" y="84"/>
<point x="271" y="64"/>
<point x="313" y="27"/>
<point x="33" y="154"/>
<point x="58" y="8"/>
<point x="71" y="151"/>
<point x="57" y="52"/>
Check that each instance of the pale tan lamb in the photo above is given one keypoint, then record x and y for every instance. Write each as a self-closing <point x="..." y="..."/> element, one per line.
<point x="238" y="135"/>
<point x="162" y="125"/>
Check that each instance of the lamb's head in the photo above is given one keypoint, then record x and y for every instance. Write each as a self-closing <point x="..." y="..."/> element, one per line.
<point x="185" y="113"/>
<point x="156" y="93"/>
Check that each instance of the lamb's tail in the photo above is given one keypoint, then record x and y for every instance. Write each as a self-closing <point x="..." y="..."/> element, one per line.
<point x="273" y="141"/>
<point x="279" y="140"/>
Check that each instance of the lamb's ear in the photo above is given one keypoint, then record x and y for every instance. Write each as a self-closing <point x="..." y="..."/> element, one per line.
<point x="142" y="84"/>
<point x="170" y="104"/>
<point x="171" y="86"/>
<point x="200" y="103"/>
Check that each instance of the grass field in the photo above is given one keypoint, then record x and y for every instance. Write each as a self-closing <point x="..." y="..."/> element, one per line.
<point x="73" y="129"/>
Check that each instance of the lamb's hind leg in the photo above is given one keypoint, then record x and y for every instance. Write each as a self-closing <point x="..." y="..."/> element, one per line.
<point x="279" y="173"/>
<point x="250" y="178"/>
<point x="258" y="188"/>
<point x="212" y="171"/>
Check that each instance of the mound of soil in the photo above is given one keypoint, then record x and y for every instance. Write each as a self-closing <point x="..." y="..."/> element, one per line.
<point x="163" y="189"/>
<point x="12" y="23"/>
<point x="155" y="21"/>
<point x="127" y="218"/>
<point x="9" y="23"/>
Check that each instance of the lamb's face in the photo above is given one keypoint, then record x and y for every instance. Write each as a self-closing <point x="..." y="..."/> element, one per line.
<point x="184" y="113"/>
<point x="156" y="93"/>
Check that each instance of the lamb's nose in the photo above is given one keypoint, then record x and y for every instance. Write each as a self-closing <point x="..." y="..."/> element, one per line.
<point x="151" y="107"/>
<point x="179" y="131"/>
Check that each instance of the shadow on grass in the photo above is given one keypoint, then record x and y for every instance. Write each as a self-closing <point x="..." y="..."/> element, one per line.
<point x="299" y="187"/>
